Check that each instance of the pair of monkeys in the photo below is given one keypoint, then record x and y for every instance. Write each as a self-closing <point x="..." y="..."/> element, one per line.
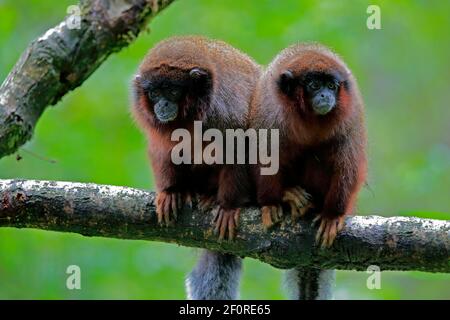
<point x="307" y="93"/>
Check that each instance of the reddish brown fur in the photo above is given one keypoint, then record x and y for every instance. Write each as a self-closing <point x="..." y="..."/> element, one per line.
<point x="234" y="77"/>
<point x="323" y="154"/>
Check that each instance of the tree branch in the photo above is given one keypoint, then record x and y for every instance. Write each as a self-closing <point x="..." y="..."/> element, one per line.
<point x="61" y="59"/>
<point x="395" y="243"/>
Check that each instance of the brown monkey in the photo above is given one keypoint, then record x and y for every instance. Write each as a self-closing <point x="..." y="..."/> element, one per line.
<point x="187" y="79"/>
<point x="310" y="95"/>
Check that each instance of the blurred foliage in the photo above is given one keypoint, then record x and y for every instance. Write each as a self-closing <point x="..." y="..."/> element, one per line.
<point x="403" y="71"/>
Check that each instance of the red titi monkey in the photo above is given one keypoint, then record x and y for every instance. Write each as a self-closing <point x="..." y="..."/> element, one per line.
<point x="187" y="79"/>
<point x="311" y="96"/>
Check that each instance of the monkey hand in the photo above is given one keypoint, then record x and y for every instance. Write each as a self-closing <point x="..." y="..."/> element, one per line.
<point x="299" y="201"/>
<point x="168" y="204"/>
<point x="328" y="229"/>
<point x="226" y="222"/>
<point x="271" y="215"/>
<point x="206" y="203"/>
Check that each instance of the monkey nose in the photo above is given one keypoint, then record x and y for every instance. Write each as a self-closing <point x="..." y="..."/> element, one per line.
<point x="327" y="98"/>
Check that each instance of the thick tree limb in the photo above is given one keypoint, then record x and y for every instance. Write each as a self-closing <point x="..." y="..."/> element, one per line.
<point x="61" y="59"/>
<point x="396" y="243"/>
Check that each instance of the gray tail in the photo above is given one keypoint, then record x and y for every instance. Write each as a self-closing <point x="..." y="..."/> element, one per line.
<point x="309" y="283"/>
<point x="215" y="277"/>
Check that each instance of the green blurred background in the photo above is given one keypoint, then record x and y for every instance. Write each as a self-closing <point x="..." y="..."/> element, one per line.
<point x="403" y="71"/>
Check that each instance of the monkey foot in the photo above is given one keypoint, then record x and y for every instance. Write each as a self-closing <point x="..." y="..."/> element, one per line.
<point x="168" y="204"/>
<point x="206" y="203"/>
<point x="187" y="198"/>
<point x="299" y="201"/>
<point x="226" y="222"/>
<point x="328" y="229"/>
<point x="271" y="215"/>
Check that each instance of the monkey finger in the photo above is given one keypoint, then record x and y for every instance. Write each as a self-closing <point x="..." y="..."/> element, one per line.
<point x="218" y="220"/>
<point x="316" y="220"/>
<point x="332" y="236"/>
<point x="289" y="196"/>
<point x="280" y="212"/>
<point x="236" y="216"/>
<point x="303" y="210"/>
<point x="298" y="195"/>
<point x="321" y="241"/>
<point x="329" y="234"/>
<point x="174" y="206"/>
<point x="223" y="227"/>
<point x="341" y="223"/>
<point x="166" y="210"/>
<point x="231" y="228"/>
<point x="324" y="234"/>
<point x="201" y="204"/>
<point x="200" y="200"/>
<point x="205" y="203"/>
<point x="304" y="194"/>
<point x="162" y="197"/>
<point x="306" y="200"/>
<point x="217" y="214"/>
<point x="188" y="200"/>
<point x="159" y="198"/>
<point x="308" y="196"/>
<point x="159" y="214"/>
<point x="166" y="218"/>
<point x="337" y="226"/>
<point x="320" y="231"/>
<point x="266" y="217"/>
<point x="274" y="214"/>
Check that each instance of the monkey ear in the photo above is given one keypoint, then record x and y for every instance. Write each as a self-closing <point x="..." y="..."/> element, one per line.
<point x="197" y="73"/>
<point x="286" y="82"/>
<point x="137" y="79"/>
<point x="142" y="82"/>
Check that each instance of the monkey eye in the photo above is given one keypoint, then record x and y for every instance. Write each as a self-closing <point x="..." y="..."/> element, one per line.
<point x="314" y="85"/>
<point x="197" y="73"/>
<point x="153" y="94"/>
<point x="332" y="86"/>
<point x="174" y="93"/>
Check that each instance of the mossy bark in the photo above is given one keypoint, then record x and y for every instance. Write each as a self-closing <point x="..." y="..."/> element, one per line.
<point x="63" y="58"/>
<point x="394" y="243"/>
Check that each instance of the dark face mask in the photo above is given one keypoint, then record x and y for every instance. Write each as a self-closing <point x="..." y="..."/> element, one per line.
<point x="322" y="95"/>
<point x="165" y="102"/>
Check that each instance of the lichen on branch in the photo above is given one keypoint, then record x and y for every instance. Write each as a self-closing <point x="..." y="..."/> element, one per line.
<point x="63" y="58"/>
<point x="394" y="243"/>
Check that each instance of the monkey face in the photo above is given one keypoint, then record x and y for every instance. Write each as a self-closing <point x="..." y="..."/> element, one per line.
<point x="168" y="90"/>
<point x="319" y="90"/>
<point x="165" y="100"/>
